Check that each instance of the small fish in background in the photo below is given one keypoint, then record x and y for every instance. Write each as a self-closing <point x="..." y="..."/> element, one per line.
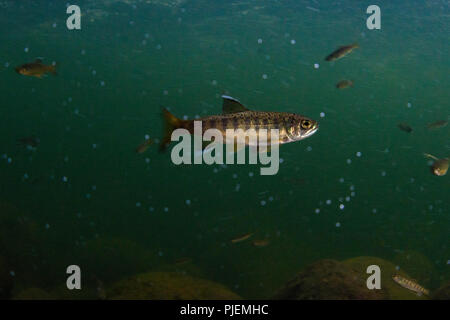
<point x="261" y="243"/>
<point x="36" y="69"/>
<point x="29" y="142"/>
<point x="344" y="84"/>
<point x="341" y="52"/>
<point x="182" y="261"/>
<point x="439" y="166"/>
<point x="437" y="124"/>
<point x="405" y="127"/>
<point x="144" y="146"/>
<point x="242" y="238"/>
<point x="410" y="285"/>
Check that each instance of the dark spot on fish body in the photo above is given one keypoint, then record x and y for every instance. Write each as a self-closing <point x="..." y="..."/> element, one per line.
<point x="235" y="123"/>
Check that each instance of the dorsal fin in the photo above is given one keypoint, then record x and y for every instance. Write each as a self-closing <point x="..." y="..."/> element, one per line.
<point x="231" y="105"/>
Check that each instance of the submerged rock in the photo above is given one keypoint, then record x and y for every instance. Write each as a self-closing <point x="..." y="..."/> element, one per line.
<point x="328" y="280"/>
<point x="169" y="286"/>
<point x="443" y="293"/>
<point x="392" y="290"/>
<point x="416" y="265"/>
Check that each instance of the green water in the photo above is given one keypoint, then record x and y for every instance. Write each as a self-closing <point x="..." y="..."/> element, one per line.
<point x="85" y="197"/>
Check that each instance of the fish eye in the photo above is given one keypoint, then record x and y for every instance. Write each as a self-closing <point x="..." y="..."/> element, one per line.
<point x="306" y="124"/>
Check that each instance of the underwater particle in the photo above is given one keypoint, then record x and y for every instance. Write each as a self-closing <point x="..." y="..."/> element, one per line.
<point x="341" y="180"/>
<point x="281" y="160"/>
<point x="328" y="202"/>
<point x="412" y="180"/>
<point x="374" y="210"/>
<point x="358" y="154"/>
<point x="316" y="66"/>
<point x="338" y="224"/>
<point x="185" y="117"/>
<point x="146" y="137"/>
<point x="238" y="186"/>
<point x="352" y="187"/>
<point x="317" y="211"/>
<point x="349" y="161"/>
<point x="448" y="262"/>
<point x="47" y="226"/>
<point x="341" y="199"/>
<point x="138" y="204"/>
<point x="308" y="148"/>
<point x="263" y="202"/>
<point x="64" y="179"/>
<point x="214" y="82"/>
<point x="54" y="25"/>
<point x="188" y="202"/>
<point x="88" y="196"/>
<point x="144" y="42"/>
<point x="196" y="116"/>
<point x="352" y="193"/>
<point x="215" y="170"/>
<point x="341" y="206"/>
<point x="158" y="47"/>
<point x="166" y="209"/>
<point x="9" y="160"/>
<point x="347" y="198"/>
<point x="235" y="176"/>
<point x="270" y="198"/>
<point x="259" y="41"/>
<point x="250" y="174"/>
<point x="409" y="105"/>
<point x="6" y="64"/>
<point x="165" y="92"/>
<point x="293" y="41"/>
<point x="94" y="72"/>
<point x="267" y="57"/>
<point x="147" y="160"/>
<point x="264" y="76"/>
<point x="102" y="83"/>
<point x="66" y="159"/>
<point x="131" y="22"/>
<point x="26" y="49"/>
<point x="160" y="253"/>
<point x="12" y="273"/>
<point x="94" y="187"/>
<point x="383" y="173"/>
<point x="397" y="268"/>
<point x="4" y="156"/>
<point x="322" y="114"/>
<point x="83" y="52"/>
<point x="146" y="35"/>
<point x="25" y="176"/>
<point x="151" y="209"/>
<point x="94" y="146"/>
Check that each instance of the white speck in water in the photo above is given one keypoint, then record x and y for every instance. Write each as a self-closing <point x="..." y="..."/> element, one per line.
<point x="102" y="83"/>
<point x="374" y="210"/>
<point x="358" y="154"/>
<point x="263" y="202"/>
<point x="144" y="42"/>
<point x="292" y="41"/>
<point x="147" y="160"/>
<point x="347" y="198"/>
<point x="235" y="175"/>
<point x="94" y="187"/>
<point x="341" y="206"/>
<point x="83" y="52"/>
<point x="322" y="114"/>
<point x="250" y="174"/>
<point x="146" y="35"/>
<point x="166" y="209"/>
<point x="54" y="25"/>
<point x="185" y="117"/>
<point x="308" y="148"/>
<point x="448" y="262"/>
<point x="64" y="179"/>
<point x="9" y="160"/>
<point x="409" y="105"/>
<point x="349" y="161"/>
<point x="158" y="47"/>
<point x="352" y="187"/>
<point x="94" y="146"/>
<point x="267" y="57"/>
<point x="214" y="82"/>
<point x="131" y="22"/>
<point x="165" y="92"/>
<point x="94" y="72"/>
<point x="317" y="210"/>
<point x="238" y="186"/>
<point x="397" y="268"/>
<point x="146" y="137"/>
<point x="383" y="173"/>
<point x="412" y="180"/>
<point x="270" y="198"/>
<point x="352" y="193"/>
<point x="138" y="204"/>
<point x="188" y="202"/>
<point x="151" y="209"/>
<point x="281" y="160"/>
<point x="160" y="253"/>
<point x="259" y="41"/>
<point x="12" y="273"/>
<point x="328" y="202"/>
<point x="26" y="49"/>
<point x="6" y="64"/>
<point x="341" y="180"/>
<point x="88" y="196"/>
<point x="338" y="224"/>
<point x="316" y="66"/>
<point x="264" y="76"/>
<point x="47" y="226"/>
<point x="215" y="170"/>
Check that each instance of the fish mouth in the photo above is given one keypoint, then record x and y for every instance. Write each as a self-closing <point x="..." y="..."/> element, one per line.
<point x="311" y="131"/>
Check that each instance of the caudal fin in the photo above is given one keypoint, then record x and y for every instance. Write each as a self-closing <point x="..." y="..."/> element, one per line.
<point x="170" y="123"/>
